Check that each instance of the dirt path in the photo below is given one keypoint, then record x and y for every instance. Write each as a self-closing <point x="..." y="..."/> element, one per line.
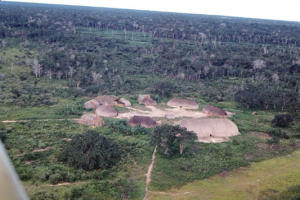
<point x="59" y="184"/>
<point x="37" y="150"/>
<point x="148" y="175"/>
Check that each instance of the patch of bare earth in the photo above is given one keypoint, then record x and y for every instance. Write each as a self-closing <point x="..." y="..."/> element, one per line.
<point x="37" y="150"/>
<point x="155" y="112"/>
<point x="229" y="113"/>
<point x="260" y="135"/>
<point x="59" y="184"/>
<point x="262" y="146"/>
<point x="213" y="140"/>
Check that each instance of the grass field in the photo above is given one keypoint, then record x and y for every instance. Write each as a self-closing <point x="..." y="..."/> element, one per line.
<point x="260" y="180"/>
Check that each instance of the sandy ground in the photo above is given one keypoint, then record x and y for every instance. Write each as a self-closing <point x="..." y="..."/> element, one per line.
<point x="213" y="140"/>
<point x="155" y="112"/>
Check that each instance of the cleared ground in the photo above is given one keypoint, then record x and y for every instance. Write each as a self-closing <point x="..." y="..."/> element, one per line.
<point x="155" y="112"/>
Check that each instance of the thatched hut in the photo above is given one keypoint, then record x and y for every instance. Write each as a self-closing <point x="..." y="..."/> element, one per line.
<point x="214" y="111"/>
<point x="142" y="121"/>
<point x="209" y="127"/>
<point x="106" y="110"/>
<point x="93" y="104"/>
<point x="147" y="101"/>
<point x="141" y="97"/>
<point x="91" y="120"/>
<point x="182" y="103"/>
<point x="170" y="116"/>
<point x="122" y="102"/>
<point x="109" y="99"/>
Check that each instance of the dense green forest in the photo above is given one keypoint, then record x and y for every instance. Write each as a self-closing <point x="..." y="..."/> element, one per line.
<point x="54" y="58"/>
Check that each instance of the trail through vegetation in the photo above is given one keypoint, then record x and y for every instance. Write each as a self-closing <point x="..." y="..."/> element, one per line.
<point x="148" y="175"/>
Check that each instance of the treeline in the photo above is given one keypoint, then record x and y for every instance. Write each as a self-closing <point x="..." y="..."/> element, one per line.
<point x="269" y="97"/>
<point x="113" y="51"/>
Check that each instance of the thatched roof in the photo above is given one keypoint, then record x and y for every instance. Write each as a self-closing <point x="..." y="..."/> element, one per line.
<point x="106" y="111"/>
<point x="142" y="96"/>
<point x="91" y="120"/>
<point x="109" y="99"/>
<point x="142" y="121"/>
<point x="147" y="101"/>
<point x="170" y="116"/>
<point x="182" y="103"/>
<point x="214" y="111"/>
<point x="125" y="102"/>
<point x="209" y="127"/>
<point x="93" y="104"/>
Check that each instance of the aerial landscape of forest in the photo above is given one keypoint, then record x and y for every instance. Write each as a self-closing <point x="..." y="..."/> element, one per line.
<point x="103" y="103"/>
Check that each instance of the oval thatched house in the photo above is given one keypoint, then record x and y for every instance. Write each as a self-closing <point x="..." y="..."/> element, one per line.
<point x="106" y="110"/>
<point x="147" y="101"/>
<point x="214" y="111"/>
<point x="182" y="103"/>
<point x="170" y="116"/>
<point x="91" y="120"/>
<point x="109" y="99"/>
<point x="122" y="102"/>
<point x="93" y="104"/>
<point x="142" y="121"/>
<point x="209" y="127"/>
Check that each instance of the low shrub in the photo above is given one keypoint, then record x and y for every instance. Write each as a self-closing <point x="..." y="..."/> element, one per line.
<point x="282" y="120"/>
<point x="274" y="140"/>
<point x="278" y="133"/>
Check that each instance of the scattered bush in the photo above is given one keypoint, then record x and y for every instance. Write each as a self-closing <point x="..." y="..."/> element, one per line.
<point x="235" y="142"/>
<point x="278" y="133"/>
<point x="121" y="126"/>
<point x="44" y="195"/>
<point x="3" y="136"/>
<point x="282" y="120"/>
<point x="274" y="140"/>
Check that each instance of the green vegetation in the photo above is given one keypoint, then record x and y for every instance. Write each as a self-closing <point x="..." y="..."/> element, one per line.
<point x="91" y="151"/>
<point x="168" y="136"/>
<point x="271" y="179"/>
<point x="55" y="58"/>
<point x="35" y="147"/>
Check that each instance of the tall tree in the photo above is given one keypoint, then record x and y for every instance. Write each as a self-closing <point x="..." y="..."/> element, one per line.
<point x="164" y="86"/>
<point x="91" y="151"/>
<point x="166" y="135"/>
<point x="36" y="68"/>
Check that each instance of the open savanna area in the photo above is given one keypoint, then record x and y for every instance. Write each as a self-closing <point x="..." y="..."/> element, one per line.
<point x="260" y="180"/>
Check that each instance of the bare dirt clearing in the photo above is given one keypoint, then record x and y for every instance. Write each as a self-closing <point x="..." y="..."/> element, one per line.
<point x="155" y="112"/>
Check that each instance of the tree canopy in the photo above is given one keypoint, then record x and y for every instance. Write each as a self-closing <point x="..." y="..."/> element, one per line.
<point x="91" y="151"/>
<point x="166" y="135"/>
